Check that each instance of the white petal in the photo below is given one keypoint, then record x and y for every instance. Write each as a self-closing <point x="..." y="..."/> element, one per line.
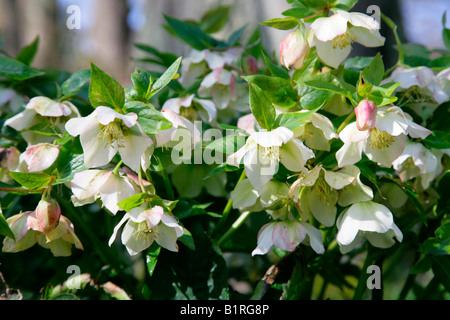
<point x="134" y="146"/>
<point x="97" y="152"/>
<point x="272" y="192"/>
<point x="86" y="184"/>
<point x="265" y="241"/>
<point x="277" y="137"/>
<point x="385" y="157"/>
<point x="339" y="179"/>
<point x="366" y="37"/>
<point x="358" y="19"/>
<point x="294" y="155"/>
<point x="116" y="229"/>
<point x="315" y="238"/>
<point x="332" y="56"/>
<point x="133" y="244"/>
<point x="48" y="108"/>
<point x="244" y="195"/>
<point x="258" y="173"/>
<point x="288" y="235"/>
<point x="41" y="156"/>
<point x="167" y="238"/>
<point x="114" y="190"/>
<point x="328" y="28"/>
<point x="324" y="210"/>
<point x="23" y="120"/>
<point x="209" y="107"/>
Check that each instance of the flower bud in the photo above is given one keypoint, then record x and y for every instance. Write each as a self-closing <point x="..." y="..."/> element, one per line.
<point x="48" y="213"/>
<point x="366" y="114"/>
<point x="293" y="50"/>
<point x="9" y="158"/>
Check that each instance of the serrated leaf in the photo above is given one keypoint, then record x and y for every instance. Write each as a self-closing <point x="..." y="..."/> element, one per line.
<point x="166" y="77"/>
<point x="262" y="108"/>
<point x="32" y="181"/>
<point x="16" y="70"/>
<point x="104" y="90"/>
<point x="27" y="54"/>
<point x="151" y="120"/>
<point x="374" y="74"/>
<point x="281" y="23"/>
<point x="75" y="82"/>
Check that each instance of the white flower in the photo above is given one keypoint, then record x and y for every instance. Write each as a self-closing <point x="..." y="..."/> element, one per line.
<point x="420" y="84"/>
<point x="317" y="133"/>
<point x="263" y="151"/>
<point x="287" y="235"/>
<point x="415" y="161"/>
<point x="105" y="132"/>
<point x="334" y="35"/>
<point x="321" y="190"/>
<point x="220" y="85"/>
<point x="382" y="144"/>
<point x="38" y="110"/>
<point x="191" y="108"/>
<point x="369" y="220"/>
<point x="145" y="225"/>
<point x="90" y="185"/>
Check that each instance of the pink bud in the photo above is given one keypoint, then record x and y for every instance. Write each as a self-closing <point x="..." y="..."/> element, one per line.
<point x="9" y="158"/>
<point x="366" y="114"/>
<point x="293" y="50"/>
<point x="48" y="213"/>
<point x="252" y="65"/>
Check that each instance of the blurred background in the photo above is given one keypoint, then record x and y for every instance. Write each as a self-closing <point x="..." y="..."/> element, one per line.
<point x="109" y="28"/>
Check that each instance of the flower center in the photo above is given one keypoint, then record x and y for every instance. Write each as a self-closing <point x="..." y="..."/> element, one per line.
<point x="188" y="113"/>
<point x="415" y="94"/>
<point x="380" y="139"/>
<point x="325" y="192"/>
<point x="270" y="155"/>
<point x="144" y="233"/>
<point x="343" y="40"/>
<point x="409" y="164"/>
<point x="114" y="131"/>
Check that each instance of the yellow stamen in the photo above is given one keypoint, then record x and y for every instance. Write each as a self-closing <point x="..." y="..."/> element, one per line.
<point x="114" y="131"/>
<point x="343" y="40"/>
<point x="270" y="155"/>
<point x="380" y="139"/>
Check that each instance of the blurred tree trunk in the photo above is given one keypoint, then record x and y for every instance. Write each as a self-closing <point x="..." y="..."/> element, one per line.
<point x="9" y="29"/>
<point x="110" y="37"/>
<point x="38" y="18"/>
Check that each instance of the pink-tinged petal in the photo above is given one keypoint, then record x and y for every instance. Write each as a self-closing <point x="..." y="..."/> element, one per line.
<point x="247" y="123"/>
<point x="265" y="241"/>
<point x="40" y="156"/>
<point x="153" y="216"/>
<point x="366" y="115"/>
<point x="288" y="235"/>
<point x="87" y="184"/>
<point x="48" y="108"/>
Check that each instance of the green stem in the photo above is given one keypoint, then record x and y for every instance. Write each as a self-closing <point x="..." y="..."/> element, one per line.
<point x="21" y="190"/>
<point x="228" y="207"/>
<point x="345" y="122"/>
<point x="116" y="169"/>
<point x="401" y="51"/>
<point x="239" y="221"/>
<point x="10" y="138"/>
<point x="362" y="281"/>
<point x="167" y="185"/>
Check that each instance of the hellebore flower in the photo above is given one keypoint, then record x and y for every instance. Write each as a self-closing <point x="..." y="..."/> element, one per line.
<point x="294" y="49"/>
<point x="192" y="108"/>
<point x="317" y="133"/>
<point x="48" y="213"/>
<point x="263" y="151"/>
<point x="334" y="35"/>
<point x="418" y="161"/>
<point x="287" y="235"/>
<point x="105" y="132"/>
<point x="38" y="110"/>
<point x="145" y="225"/>
<point x="369" y="220"/>
<point x="366" y="115"/>
<point x="111" y="188"/>
<point x="383" y="143"/>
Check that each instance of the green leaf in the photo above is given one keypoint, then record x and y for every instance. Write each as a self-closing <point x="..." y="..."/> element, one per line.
<point x="151" y="120"/>
<point x="441" y="270"/>
<point x="279" y="90"/>
<point x="76" y="164"/>
<point x="292" y="120"/>
<point x="163" y="58"/>
<point x="328" y="86"/>
<point x="16" y="70"/>
<point x="4" y="227"/>
<point x="437" y="140"/>
<point x="32" y="181"/>
<point x="298" y="12"/>
<point x="345" y="4"/>
<point x="275" y="70"/>
<point x="187" y="239"/>
<point x="191" y="34"/>
<point x="228" y="144"/>
<point x="374" y="74"/>
<point x="358" y="63"/>
<point x="281" y="23"/>
<point x="142" y="81"/>
<point x="151" y="257"/>
<point x="133" y="201"/>
<point x="27" y="54"/>
<point x="167" y="76"/>
<point x="75" y="82"/>
<point x="215" y="19"/>
<point x="262" y="108"/>
<point x="445" y="32"/>
<point x="104" y="90"/>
